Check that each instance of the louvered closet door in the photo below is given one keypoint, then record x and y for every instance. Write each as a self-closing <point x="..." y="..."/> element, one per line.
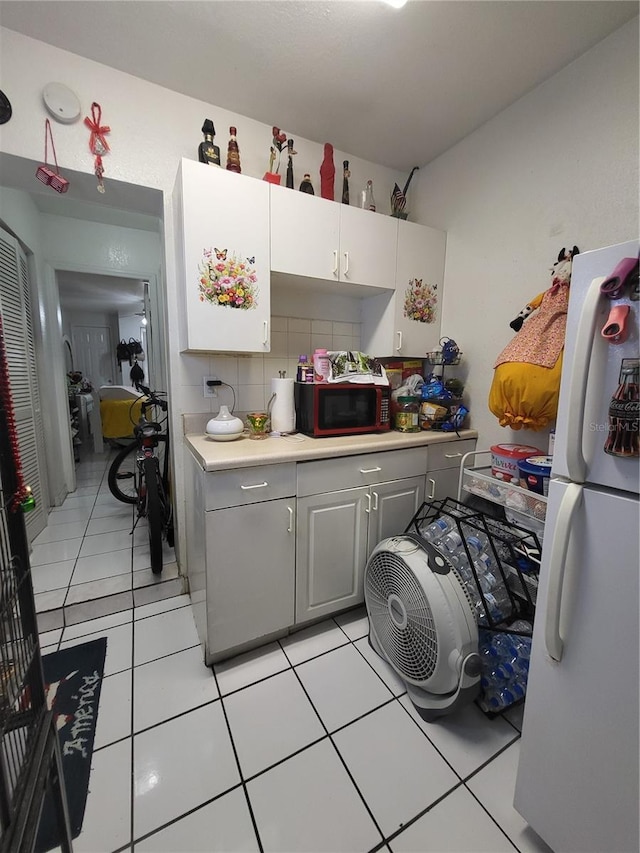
<point x="17" y="321"/>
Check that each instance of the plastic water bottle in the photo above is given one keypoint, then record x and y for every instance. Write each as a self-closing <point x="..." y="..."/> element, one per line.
<point x="439" y="528"/>
<point x="452" y="542"/>
<point x="477" y="543"/>
<point x="498" y="603"/>
<point x="485" y="562"/>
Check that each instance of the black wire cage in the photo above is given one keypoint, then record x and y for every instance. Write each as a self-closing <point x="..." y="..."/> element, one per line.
<point x="30" y="759"/>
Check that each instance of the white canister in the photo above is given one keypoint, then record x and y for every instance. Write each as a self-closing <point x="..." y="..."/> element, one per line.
<point x="283" y="412"/>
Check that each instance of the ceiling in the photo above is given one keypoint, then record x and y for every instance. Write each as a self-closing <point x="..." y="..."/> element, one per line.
<point x="100" y="293"/>
<point x="395" y="87"/>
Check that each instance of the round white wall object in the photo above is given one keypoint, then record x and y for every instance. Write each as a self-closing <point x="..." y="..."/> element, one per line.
<point x="61" y="102"/>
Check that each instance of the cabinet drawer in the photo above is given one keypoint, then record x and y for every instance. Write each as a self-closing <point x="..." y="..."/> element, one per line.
<point x="448" y="454"/>
<point x="249" y="485"/>
<point x="348" y="472"/>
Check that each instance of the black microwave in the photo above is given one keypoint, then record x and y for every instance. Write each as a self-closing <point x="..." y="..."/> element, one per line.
<point x="341" y="408"/>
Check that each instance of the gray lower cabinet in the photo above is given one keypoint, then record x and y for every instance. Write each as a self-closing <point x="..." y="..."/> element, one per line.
<point x="331" y="550"/>
<point x="444" y="468"/>
<point x="337" y="530"/>
<point x="271" y="547"/>
<point x="250" y="575"/>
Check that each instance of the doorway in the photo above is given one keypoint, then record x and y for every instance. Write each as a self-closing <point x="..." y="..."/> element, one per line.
<point x="107" y="242"/>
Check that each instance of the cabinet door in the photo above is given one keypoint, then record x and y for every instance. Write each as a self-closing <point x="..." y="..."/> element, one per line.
<point x="443" y="484"/>
<point x="393" y="505"/>
<point x="368" y="245"/>
<point x="331" y="550"/>
<point x="305" y="236"/>
<point x="418" y="299"/>
<point x="223" y="236"/>
<point x="250" y="572"/>
<point x="443" y="471"/>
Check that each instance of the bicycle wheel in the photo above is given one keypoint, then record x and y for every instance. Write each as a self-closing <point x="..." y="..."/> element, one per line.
<point x="154" y="512"/>
<point x="122" y="474"/>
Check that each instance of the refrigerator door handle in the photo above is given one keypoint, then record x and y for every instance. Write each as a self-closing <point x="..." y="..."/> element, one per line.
<point x="576" y="463"/>
<point x="571" y="502"/>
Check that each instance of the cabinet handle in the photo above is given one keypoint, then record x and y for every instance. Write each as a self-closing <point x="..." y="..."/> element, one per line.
<point x="266" y="333"/>
<point x="335" y="262"/>
<point x="367" y="509"/>
<point x="370" y="470"/>
<point x="290" y="527"/>
<point x="399" y="347"/>
<point x="375" y="501"/>
<point x="346" y="263"/>
<point x="256" y="486"/>
<point x="431" y="496"/>
<point x="452" y="455"/>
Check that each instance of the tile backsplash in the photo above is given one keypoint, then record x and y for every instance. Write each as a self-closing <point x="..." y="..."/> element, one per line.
<point x="249" y="376"/>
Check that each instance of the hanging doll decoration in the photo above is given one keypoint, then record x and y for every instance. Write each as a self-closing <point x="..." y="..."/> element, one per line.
<point x="526" y="382"/>
<point x="98" y="145"/>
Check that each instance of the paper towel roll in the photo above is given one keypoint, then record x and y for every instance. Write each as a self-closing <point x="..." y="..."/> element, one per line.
<point x="283" y="413"/>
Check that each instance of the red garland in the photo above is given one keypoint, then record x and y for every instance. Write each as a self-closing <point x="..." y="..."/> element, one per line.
<point x="98" y="145"/>
<point x="6" y="402"/>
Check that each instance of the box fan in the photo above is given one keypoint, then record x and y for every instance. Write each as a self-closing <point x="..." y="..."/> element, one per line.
<point x="421" y="621"/>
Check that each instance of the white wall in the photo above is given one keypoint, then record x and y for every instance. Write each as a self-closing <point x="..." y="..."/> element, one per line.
<point x="557" y="168"/>
<point x="151" y="129"/>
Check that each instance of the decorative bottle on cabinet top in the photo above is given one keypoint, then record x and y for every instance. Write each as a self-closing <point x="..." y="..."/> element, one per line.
<point x="233" y="152"/>
<point x="208" y="152"/>
<point x="368" y="202"/>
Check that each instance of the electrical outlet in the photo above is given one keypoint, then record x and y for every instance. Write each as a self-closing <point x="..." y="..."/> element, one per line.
<point x="209" y="390"/>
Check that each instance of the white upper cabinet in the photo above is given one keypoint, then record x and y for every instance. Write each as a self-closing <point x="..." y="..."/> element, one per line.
<point x="222" y="247"/>
<point x="407" y="323"/>
<point x="316" y="238"/>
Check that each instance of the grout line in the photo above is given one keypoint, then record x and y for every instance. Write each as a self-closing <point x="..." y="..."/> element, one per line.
<point x="339" y="754"/>
<point x="180" y="817"/>
<point x="486" y="810"/>
<point x="235" y="752"/>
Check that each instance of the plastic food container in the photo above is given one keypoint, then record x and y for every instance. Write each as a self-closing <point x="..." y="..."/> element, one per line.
<point x="535" y="472"/>
<point x="505" y="458"/>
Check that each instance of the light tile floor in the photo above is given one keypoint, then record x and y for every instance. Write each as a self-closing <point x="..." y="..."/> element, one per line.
<point x="307" y="744"/>
<point x="87" y="563"/>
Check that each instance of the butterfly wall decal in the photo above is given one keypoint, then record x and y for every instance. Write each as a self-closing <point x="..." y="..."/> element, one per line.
<point x="252" y="260"/>
<point x="221" y="254"/>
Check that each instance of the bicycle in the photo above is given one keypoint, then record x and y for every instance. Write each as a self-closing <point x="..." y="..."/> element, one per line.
<point x="135" y="476"/>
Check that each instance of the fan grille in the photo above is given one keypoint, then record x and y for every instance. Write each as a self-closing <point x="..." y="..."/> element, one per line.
<point x="408" y="636"/>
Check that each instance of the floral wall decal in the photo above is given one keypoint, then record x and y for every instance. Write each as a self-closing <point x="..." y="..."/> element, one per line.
<point x="420" y="301"/>
<point x="228" y="280"/>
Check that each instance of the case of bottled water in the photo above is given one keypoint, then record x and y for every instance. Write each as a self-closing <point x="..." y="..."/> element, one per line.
<point x="495" y="562"/>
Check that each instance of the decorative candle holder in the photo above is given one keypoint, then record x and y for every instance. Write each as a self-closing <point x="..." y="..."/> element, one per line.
<point x="258" y="425"/>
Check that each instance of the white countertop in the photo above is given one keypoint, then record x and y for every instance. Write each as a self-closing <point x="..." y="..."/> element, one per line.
<point x="244" y="452"/>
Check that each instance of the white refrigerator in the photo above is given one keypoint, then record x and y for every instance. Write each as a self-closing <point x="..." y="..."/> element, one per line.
<point x="577" y="781"/>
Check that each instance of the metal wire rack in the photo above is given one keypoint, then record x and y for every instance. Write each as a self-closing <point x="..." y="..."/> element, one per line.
<point x="515" y="556"/>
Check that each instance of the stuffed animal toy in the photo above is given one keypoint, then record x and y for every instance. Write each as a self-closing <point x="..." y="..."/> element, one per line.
<point x="526" y="382"/>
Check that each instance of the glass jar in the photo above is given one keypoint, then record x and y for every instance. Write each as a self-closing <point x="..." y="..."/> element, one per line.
<point x="406" y="417"/>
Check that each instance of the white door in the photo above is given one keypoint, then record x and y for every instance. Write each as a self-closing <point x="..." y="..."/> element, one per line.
<point x="577" y="783"/>
<point x="17" y="321"/>
<point x="419" y="279"/>
<point x="250" y="579"/>
<point x="305" y="234"/>
<point x="226" y="269"/>
<point x="368" y="246"/>
<point x="590" y="375"/>
<point x="331" y="550"/>
<point x="93" y="354"/>
<point x="393" y="505"/>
